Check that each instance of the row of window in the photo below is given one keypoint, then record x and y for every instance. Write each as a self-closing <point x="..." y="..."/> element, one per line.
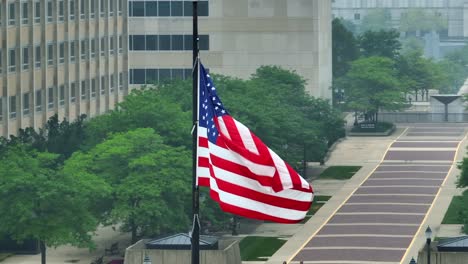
<point x="52" y="93"/>
<point x="58" y="14"/>
<point x="107" y="46"/>
<point x="152" y="76"/>
<point x="167" y="42"/>
<point x="165" y="8"/>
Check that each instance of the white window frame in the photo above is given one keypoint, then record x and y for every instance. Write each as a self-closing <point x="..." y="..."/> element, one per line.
<point x="24" y="20"/>
<point x="11" y="21"/>
<point x="25" y="66"/>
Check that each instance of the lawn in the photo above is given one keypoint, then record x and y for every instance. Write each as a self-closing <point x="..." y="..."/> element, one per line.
<point x="339" y="172"/>
<point x="456" y="209"/>
<point x="252" y="248"/>
<point x="4" y="256"/>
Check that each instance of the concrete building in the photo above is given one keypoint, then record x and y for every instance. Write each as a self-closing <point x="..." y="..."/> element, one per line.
<point x="236" y="37"/>
<point x="65" y="57"/>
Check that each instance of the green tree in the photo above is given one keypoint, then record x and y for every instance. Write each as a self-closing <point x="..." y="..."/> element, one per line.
<point x="380" y="43"/>
<point x="376" y="20"/>
<point x="372" y="84"/>
<point x="40" y="202"/>
<point x="344" y="48"/>
<point x="150" y="180"/>
<point x="420" y="20"/>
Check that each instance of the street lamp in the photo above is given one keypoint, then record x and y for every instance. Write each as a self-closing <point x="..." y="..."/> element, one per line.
<point x="412" y="261"/>
<point x="147" y="260"/>
<point x="428" y="242"/>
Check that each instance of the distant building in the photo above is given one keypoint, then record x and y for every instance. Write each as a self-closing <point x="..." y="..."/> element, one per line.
<point x="65" y="57"/>
<point x="236" y="37"/>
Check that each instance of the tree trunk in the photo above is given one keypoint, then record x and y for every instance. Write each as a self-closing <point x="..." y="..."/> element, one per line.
<point x="376" y="117"/>
<point x="134" y="230"/>
<point x="42" y="247"/>
<point x="416" y="95"/>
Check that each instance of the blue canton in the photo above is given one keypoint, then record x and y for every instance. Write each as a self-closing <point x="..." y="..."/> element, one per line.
<point x="210" y="105"/>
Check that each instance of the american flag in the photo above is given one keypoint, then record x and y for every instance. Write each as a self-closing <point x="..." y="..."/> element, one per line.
<point x="245" y="177"/>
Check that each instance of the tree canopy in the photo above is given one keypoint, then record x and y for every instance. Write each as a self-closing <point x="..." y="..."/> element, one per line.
<point x="380" y="43"/>
<point x="421" y="20"/>
<point x="344" y="48"/>
<point x="376" y="20"/>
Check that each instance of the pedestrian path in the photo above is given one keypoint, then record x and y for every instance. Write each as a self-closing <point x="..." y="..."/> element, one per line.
<point x="377" y="223"/>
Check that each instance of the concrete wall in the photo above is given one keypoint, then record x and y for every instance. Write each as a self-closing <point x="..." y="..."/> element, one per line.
<point x="444" y="257"/>
<point x="229" y="253"/>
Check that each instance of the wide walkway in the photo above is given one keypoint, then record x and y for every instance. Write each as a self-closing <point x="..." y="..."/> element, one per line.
<point x="379" y="221"/>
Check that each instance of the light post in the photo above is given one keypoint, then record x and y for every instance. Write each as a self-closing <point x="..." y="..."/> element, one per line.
<point x="147" y="260"/>
<point x="412" y="261"/>
<point x="428" y="242"/>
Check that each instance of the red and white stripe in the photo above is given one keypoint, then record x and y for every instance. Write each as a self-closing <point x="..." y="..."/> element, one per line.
<point x="249" y="179"/>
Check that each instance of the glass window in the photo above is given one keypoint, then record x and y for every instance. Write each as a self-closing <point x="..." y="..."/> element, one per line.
<point x="151" y="8"/>
<point x="111" y="7"/>
<point x="25" y="58"/>
<point x="112" y="83"/>
<point x="120" y="81"/>
<point x="1" y="109"/>
<point x="62" y="52"/>
<point x="50" y="97"/>
<point x="50" y="15"/>
<point x="37" y="60"/>
<point x="13" y="106"/>
<point x="120" y="7"/>
<point x="12" y="60"/>
<point x="82" y="8"/>
<point x="151" y="76"/>
<point x="177" y="42"/>
<point x="164" y="8"/>
<point x="11" y="14"/>
<point x="72" y="92"/>
<point x="151" y="42"/>
<point x="164" y="74"/>
<point x="188" y="42"/>
<point x="25" y="12"/>
<point x="137" y="8"/>
<point x="102" y="7"/>
<point x="204" y="42"/>
<point x="177" y="8"/>
<point x="60" y="10"/>
<point x="103" y="46"/>
<point x="83" y="90"/>
<point x="62" y="95"/>
<point x="164" y="42"/>
<point x="83" y="49"/>
<point x="1" y="61"/>
<point x="187" y="73"/>
<point x="39" y="100"/>
<point x="72" y="51"/>
<point x="26" y="103"/>
<point x="37" y="12"/>
<point x="188" y="8"/>
<point x="50" y="54"/>
<point x="178" y="74"/>
<point x="111" y="45"/>
<point x="120" y="44"/>
<point x="92" y="6"/>
<point x="71" y="5"/>
<point x="93" y="48"/>
<point x="103" y="85"/>
<point x="138" y="42"/>
<point x="138" y="76"/>
<point x="93" y="87"/>
<point x="203" y="8"/>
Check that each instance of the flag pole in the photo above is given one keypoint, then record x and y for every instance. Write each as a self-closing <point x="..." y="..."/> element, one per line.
<point x="195" y="237"/>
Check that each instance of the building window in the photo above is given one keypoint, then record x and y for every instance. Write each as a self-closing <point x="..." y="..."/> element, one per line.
<point x="120" y="81"/>
<point x="26" y="104"/>
<point x="50" y="98"/>
<point x="25" y="58"/>
<point x="13" y="106"/>
<point x="111" y="8"/>
<point x="72" y="92"/>
<point x="83" y="90"/>
<point x="167" y="42"/>
<point x="50" y="11"/>
<point x="111" y="45"/>
<point x="93" y="48"/>
<point x="83" y="49"/>
<point x="357" y="16"/>
<point x="137" y="76"/>
<point x="72" y="51"/>
<point x="164" y="42"/>
<point x="102" y="7"/>
<point x="37" y="60"/>
<point x="82" y="9"/>
<point x="120" y="44"/>
<point x="153" y="76"/>
<point x="1" y="109"/>
<point x="166" y="8"/>
<point x="177" y="8"/>
<point x="177" y="42"/>
<point x="103" y="85"/>
<point x="37" y="12"/>
<point x="112" y="83"/>
<point x="120" y="7"/>
<point x="103" y="46"/>
<point x="62" y="95"/>
<point x="12" y="60"/>
<point x="151" y="8"/>
<point x="39" y="100"/>
<point x="11" y="14"/>
<point x="93" y="87"/>
<point x="62" y="52"/>
<point x="25" y="12"/>
<point x="137" y="8"/>
<point x="50" y="54"/>
<point x="71" y="6"/>
<point x="92" y="6"/>
<point x="61" y="10"/>
<point x="1" y="60"/>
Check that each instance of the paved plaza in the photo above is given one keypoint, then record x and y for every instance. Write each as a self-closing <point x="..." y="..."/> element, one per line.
<point x="380" y="220"/>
